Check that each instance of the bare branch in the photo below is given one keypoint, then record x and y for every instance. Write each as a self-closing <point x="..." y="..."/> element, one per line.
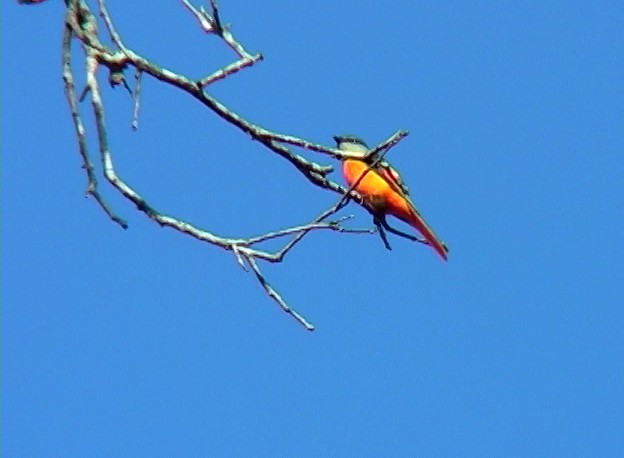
<point x="229" y="69"/>
<point x="205" y="21"/>
<point x="136" y="94"/>
<point x="80" y="23"/>
<point x="273" y="294"/>
<point x="239" y="257"/>
<point x="332" y="225"/>
<point x="215" y="16"/>
<point x="212" y="24"/>
<point x="70" y="94"/>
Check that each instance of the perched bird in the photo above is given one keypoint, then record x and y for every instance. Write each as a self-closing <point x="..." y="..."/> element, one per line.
<point x="384" y="192"/>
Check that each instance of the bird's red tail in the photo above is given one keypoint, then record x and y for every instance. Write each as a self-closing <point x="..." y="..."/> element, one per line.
<point x="418" y="223"/>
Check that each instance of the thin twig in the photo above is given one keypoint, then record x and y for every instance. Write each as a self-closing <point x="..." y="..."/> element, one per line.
<point x="212" y="24"/>
<point x="273" y="294"/>
<point x="229" y="69"/>
<point x="70" y="94"/>
<point x="215" y="16"/>
<point x="332" y="225"/>
<point x="239" y="257"/>
<point x="136" y="94"/>
<point x="205" y="21"/>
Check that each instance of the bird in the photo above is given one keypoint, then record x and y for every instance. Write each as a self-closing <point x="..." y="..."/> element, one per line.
<point x="384" y="192"/>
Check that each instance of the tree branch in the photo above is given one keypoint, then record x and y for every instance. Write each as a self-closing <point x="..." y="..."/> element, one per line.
<point x="81" y="24"/>
<point x="68" y="84"/>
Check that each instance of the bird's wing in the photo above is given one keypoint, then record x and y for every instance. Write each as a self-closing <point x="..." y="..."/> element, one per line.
<point x="392" y="177"/>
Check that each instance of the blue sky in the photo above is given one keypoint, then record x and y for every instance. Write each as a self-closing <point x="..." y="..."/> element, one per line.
<point x="147" y="343"/>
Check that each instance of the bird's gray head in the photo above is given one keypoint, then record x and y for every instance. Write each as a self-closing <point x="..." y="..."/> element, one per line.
<point x="349" y="139"/>
<point x="351" y="143"/>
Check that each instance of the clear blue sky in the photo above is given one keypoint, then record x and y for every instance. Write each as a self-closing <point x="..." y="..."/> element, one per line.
<point x="147" y="343"/>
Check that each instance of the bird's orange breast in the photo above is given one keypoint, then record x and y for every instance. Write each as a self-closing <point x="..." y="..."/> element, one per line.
<point x="373" y="187"/>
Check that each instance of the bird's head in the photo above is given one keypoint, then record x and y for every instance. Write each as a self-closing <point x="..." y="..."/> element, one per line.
<point x="351" y="144"/>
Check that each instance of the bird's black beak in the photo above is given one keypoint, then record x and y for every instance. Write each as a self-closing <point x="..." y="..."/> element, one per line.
<point x="337" y="138"/>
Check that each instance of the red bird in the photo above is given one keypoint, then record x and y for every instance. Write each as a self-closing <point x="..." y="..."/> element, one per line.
<point x="384" y="192"/>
